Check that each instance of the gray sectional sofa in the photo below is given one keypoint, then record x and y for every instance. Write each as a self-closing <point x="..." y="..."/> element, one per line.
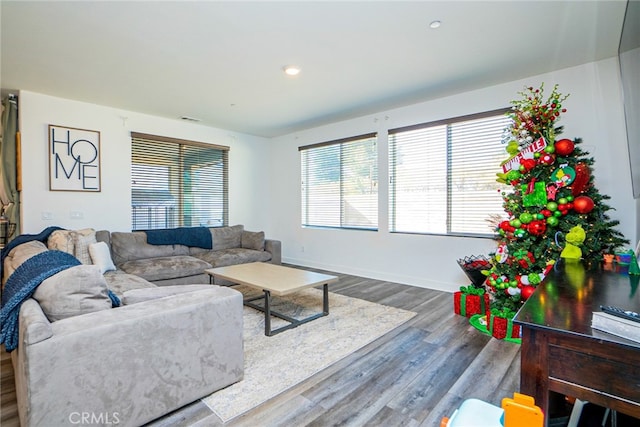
<point x="179" y="264"/>
<point x="174" y="339"/>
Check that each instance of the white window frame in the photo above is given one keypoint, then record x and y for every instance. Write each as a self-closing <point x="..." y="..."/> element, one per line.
<point x="465" y="154"/>
<point x="347" y="196"/>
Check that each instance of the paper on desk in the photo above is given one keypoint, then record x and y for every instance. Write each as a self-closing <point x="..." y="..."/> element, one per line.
<point x="616" y="325"/>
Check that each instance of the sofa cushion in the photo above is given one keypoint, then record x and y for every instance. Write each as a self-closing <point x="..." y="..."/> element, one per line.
<point x="74" y="291"/>
<point x="130" y="246"/>
<point x="61" y="240"/>
<point x="20" y="254"/>
<point x="119" y="282"/>
<point x="161" y="268"/>
<point x="101" y="256"/>
<point x="234" y="256"/>
<point x="227" y="237"/>
<point x="82" y="239"/>
<point x="140" y="295"/>
<point x="253" y="240"/>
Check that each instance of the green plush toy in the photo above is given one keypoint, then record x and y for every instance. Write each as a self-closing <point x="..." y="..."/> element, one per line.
<point x="574" y="238"/>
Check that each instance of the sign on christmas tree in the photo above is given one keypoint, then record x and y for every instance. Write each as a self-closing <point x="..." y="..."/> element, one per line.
<point x="553" y="207"/>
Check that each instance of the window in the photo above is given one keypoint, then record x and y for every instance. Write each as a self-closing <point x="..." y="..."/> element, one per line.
<point x="177" y="183"/>
<point x="443" y="175"/>
<point x="340" y="183"/>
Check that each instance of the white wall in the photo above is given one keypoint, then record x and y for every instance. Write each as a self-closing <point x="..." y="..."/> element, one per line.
<point x="265" y="174"/>
<point x="110" y="208"/>
<point x="594" y="113"/>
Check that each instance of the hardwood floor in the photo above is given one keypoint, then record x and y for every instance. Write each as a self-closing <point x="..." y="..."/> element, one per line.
<point x="412" y="376"/>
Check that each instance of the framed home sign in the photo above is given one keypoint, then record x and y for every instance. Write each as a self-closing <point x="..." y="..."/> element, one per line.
<point x="74" y="159"/>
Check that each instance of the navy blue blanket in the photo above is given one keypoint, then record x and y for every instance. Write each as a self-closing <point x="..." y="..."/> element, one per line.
<point x="22" y="284"/>
<point x="199" y="237"/>
<point x="24" y="238"/>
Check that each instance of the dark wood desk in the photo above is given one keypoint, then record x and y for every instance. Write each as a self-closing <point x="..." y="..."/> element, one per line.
<point x="560" y="351"/>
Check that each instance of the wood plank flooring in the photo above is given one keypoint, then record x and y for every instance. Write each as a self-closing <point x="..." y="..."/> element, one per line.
<point x="412" y="376"/>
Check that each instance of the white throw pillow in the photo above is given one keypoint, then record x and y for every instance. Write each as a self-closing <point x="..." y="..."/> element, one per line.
<point x="101" y="256"/>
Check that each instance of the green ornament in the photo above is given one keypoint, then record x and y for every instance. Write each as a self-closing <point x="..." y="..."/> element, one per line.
<point x="557" y="214"/>
<point x="552" y="221"/>
<point x="563" y="201"/>
<point x="515" y="223"/>
<point x="534" y="278"/>
<point x="570" y="198"/>
<point x="552" y="206"/>
<point x="526" y="218"/>
<point x="549" y="149"/>
<point x="539" y="216"/>
<point x="513" y="175"/>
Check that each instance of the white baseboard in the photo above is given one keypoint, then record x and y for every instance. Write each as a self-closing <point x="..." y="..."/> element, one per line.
<point x="419" y="282"/>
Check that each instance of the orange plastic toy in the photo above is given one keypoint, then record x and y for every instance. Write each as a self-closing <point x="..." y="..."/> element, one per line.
<point x="520" y="411"/>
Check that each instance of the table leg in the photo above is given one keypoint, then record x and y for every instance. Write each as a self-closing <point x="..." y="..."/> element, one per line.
<point x="267" y="313"/>
<point x="325" y="299"/>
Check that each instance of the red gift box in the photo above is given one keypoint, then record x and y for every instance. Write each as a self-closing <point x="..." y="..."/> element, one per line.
<point x="501" y="327"/>
<point x="467" y="304"/>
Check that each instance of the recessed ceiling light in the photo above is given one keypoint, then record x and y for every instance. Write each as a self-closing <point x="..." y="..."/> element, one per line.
<point x="435" y="24"/>
<point x="291" y="70"/>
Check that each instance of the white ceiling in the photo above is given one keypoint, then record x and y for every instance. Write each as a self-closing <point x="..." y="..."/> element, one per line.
<point x="221" y="61"/>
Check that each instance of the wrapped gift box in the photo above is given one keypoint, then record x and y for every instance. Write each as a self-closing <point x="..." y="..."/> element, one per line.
<point x="469" y="301"/>
<point x="501" y="327"/>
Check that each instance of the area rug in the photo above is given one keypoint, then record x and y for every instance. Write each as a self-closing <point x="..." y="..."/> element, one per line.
<point x="277" y="363"/>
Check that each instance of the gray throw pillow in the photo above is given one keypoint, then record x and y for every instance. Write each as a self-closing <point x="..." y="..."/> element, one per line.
<point x="74" y="291"/>
<point x="253" y="240"/>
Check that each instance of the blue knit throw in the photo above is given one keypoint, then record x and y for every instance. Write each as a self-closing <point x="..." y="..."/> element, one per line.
<point x="24" y="238"/>
<point x="199" y="237"/>
<point x="22" y="284"/>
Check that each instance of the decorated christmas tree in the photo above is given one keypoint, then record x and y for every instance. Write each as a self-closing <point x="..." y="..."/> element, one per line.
<point x="553" y="206"/>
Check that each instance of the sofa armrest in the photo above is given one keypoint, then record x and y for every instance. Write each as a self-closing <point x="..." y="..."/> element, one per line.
<point x="34" y="325"/>
<point x="135" y="362"/>
<point x="275" y="248"/>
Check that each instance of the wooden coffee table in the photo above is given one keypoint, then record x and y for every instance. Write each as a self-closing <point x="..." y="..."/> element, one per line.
<point x="275" y="280"/>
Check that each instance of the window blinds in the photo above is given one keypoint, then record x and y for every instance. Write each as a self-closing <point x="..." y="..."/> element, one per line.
<point x="340" y="183"/>
<point x="443" y="175"/>
<point x="177" y="183"/>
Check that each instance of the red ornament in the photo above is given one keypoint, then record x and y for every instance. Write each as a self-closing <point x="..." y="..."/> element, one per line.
<point x="583" y="204"/>
<point x="537" y="228"/>
<point x="581" y="180"/>
<point x="547" y="159"/>
<point x="564" y="147"/>
<point x="528" y="164"/>
<point x="526" y="292"/>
